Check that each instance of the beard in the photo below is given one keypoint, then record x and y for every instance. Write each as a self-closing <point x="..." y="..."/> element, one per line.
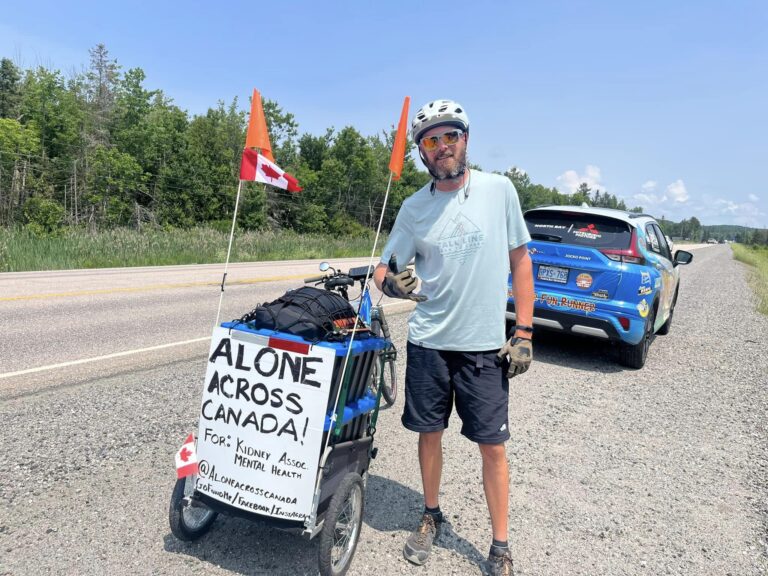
<point x="450" y="165"/>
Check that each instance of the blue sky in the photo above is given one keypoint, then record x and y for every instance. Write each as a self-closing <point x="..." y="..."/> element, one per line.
<point x="663" y="104"/>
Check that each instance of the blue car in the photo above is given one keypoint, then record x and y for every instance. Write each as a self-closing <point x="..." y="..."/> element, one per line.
<point x="602" y="273"/>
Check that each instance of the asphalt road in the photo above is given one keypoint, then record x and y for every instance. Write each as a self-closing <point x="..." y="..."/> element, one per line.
<point x="614" y="471"/>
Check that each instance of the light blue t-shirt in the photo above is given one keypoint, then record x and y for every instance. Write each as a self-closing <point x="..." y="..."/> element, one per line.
<point x="461" y="248"/>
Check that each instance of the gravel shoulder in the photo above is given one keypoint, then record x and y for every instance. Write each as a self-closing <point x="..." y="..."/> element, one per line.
<point x="613" y="471"/>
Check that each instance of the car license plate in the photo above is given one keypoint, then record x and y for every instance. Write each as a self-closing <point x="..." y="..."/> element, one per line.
<point x="553" y="274"/>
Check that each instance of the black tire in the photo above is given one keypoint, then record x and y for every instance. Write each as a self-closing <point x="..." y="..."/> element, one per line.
<point x="389" y="385"/>
<point x="634" y="355"/>
<point x="342" y="525"/>
<point x="664" y="330"/>
<point x="189" y="521"/>
<point x="389" y="388"/>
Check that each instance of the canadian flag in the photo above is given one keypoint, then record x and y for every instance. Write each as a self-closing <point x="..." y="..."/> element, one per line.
<point x="186" y="458"/>
<point x="256" y="167"/>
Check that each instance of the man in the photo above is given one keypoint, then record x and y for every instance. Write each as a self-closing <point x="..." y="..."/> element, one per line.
<point x="465" y="231"/>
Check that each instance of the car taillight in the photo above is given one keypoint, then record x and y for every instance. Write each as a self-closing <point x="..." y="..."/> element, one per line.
<point x="631" y="255"/>
<point x="624" y="321"/>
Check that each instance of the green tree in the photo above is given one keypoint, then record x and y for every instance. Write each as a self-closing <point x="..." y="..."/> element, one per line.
<point x="19" y="145"/>
<point x="43" y="216"/>
<point x="282" y="128"/>
<point x="116" y="188"/>
<point x="10" y="89"/>
<point x="581" y="196"/>
<point x="129" y="124"/>
<point x="101" y="87"/>
<point x="214" y="144"/>
<point x="165" y="160"/>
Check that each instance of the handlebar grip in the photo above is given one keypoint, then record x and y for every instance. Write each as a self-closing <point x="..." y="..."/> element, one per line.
<point x="314" y="279"/>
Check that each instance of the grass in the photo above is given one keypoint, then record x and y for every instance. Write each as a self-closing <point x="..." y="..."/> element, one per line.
<point x="757" y="257"/>
<point x="21" y="250"/>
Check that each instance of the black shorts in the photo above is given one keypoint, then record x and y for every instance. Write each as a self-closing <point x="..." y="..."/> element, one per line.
<point x="434" y="378"/>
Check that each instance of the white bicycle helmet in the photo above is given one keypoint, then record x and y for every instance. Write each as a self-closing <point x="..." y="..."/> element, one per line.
<point x="438" y="113"/>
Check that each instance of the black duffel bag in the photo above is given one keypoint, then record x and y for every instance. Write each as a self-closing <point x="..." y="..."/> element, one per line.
<point x="309" y="312"/>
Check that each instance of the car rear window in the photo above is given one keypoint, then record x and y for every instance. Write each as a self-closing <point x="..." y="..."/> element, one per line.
<point x="577" y="228"/>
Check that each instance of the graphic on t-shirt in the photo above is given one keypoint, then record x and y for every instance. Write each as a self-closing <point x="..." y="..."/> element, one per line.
<point x="460" y="238"/>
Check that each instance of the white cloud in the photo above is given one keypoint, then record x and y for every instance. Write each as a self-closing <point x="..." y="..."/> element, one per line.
<point x="649" y="199"/>
<point x="726" y="206"/>
<point x="666" y="201"/>
<point x="649" y="186"/>
<point x="745" y="213"/>
<point x="570" y="179"/>
<point x="674" y="202"/>
<point x="677" y="192"/>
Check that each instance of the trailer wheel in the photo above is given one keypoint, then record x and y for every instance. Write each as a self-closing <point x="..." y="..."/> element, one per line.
<point x="341" y="529"/>
<point x="189" y="519"/>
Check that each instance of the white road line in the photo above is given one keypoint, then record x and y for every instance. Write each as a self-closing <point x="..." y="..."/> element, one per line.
<point x="394" y="307"/>
<point x="98" y="358"/>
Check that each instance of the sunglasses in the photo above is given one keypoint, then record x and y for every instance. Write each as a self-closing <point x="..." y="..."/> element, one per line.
<point x="431" y="143"/>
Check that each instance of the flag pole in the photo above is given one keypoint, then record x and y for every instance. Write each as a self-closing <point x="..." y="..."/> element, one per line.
<point x="395" y="168"/>
<point x="229" y="251"/>
<point x="357" y="318"/>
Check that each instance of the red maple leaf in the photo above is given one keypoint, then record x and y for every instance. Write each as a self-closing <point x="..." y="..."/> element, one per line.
<point x="185" y="454"/>
<point x="270" y="172"/>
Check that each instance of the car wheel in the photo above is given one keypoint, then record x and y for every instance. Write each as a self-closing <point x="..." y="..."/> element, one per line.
<point x="664" y="330"/>
<point x="634" y="355"/>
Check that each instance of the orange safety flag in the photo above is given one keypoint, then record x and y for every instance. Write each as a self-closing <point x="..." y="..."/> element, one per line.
<point x="257" y="135"/>
<point x="398" y="149"/>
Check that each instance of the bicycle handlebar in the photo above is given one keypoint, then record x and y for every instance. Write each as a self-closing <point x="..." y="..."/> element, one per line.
<point x="314" y="279"/>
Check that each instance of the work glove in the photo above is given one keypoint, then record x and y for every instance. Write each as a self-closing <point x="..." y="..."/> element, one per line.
<point x="400" y="284"/>
<point x="519" y="351"/>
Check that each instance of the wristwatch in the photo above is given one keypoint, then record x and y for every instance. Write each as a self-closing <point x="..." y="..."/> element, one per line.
<point x="528" y="329"/>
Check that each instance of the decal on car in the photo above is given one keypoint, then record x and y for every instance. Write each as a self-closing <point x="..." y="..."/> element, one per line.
<point x="589" y="231"/>
<point x="584" y="280"/>
<point x="602" y="294"/>
<point x="565" y="302"/>
<point x="644" y="290"/>
<point x="578" y="257"/>
<point x="643" y="308"/>
<point x="657" y="283"/>
<point x="645" y="277"/>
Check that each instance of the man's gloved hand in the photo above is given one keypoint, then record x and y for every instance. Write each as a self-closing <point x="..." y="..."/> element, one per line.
<point x="520" y="353"/>
<point x="400" y="284"/>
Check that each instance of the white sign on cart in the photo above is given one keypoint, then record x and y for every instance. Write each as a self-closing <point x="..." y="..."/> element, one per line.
<point x="261" y="422"/>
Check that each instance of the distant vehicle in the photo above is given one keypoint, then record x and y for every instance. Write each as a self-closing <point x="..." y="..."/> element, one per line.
<point x="712" y="241"/>
<point x="602" y="273"/>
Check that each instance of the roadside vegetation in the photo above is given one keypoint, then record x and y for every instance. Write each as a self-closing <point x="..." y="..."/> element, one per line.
<point x="22" y="250"/>
<point x="757" y="257"/>
<point x="96" y="169"/>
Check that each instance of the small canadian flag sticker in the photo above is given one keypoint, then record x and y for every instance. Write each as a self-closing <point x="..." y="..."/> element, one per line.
<point x="186" y="458"/>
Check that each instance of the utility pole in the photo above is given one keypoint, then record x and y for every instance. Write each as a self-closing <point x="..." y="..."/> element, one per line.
<point x="74" y="190"/>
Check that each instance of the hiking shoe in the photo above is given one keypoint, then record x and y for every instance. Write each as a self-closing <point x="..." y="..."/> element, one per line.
<point x="500" y="565"/>
<point x="419" y="543"/>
